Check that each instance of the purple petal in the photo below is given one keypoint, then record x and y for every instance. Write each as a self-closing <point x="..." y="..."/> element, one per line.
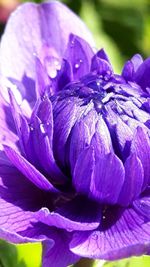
<point x="19" y="199"/>
<point x="108" y="179"/>
<point x="102" y="54"/>
<point x="141" y="76"/>
<point x="123" y="139"/>
<point x="42" y="79"/>
<point x="128" y="71"/>
<point x="100" y="179"/>
<point x="41" y="138"/>
<point x="31" y="27"/>
<point x="80" y="139"/>
<point x="83" y="171"/>
<point x="29" y="170"/>
<point x="137" y="61"/>
<point x="73" y="216"/>
<point x="101" y="66"/>
<point x="81" y="134"/>
<point x="101" y="140"/>
<point x="47" y="160"/>
<point x="18" y="119"/>
<point x="142" y="204"/>
<point x="7" y="127"/>
<point x="59" y="255"/>
<point x="122" y="234"/>
<point x="63" y="76"/>
<point x="141" y="146"/>
<point x="134" y="176"/>
<point x="131" y="66"/>
<point x="45" y="114"/>
<point x="65" y="118"/>
<point x="79" y="54"/>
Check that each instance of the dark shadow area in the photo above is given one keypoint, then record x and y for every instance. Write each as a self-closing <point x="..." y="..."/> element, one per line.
<point x="84" y="263"/>
<point x="1" y="29"/>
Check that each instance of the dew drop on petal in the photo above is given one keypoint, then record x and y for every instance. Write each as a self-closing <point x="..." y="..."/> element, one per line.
<point x="78" y="63"/>
<point x="53" y="73"/>
<point x="94" y="236"/>
<point x="72" y="43"/>
<point x="98" y="105"/>
<point x="76" y="66"/>
<point x="31" y="128"/>
<point x="42" y="128"/>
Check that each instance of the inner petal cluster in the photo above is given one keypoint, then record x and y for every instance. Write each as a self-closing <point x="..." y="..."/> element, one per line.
<point x="100" y="126"/>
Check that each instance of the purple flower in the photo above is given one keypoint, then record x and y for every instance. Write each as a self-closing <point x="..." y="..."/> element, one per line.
<point x="75" y="145"/>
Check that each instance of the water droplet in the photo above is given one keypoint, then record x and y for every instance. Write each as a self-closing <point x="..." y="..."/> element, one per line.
<point x="94" y="236"/>
<point x="42" y="128"/>
<point x="76" y="66"/>
<point x="98" y="105"/>
<point x="52" y="65"/>
<point x="72" y="43"/>
<point x="98" y="83"/>
<point x="78" y="63"/>
<point x="34" y="54"/>
<point x="31" y="128"/>
<point x="52" y="73"/>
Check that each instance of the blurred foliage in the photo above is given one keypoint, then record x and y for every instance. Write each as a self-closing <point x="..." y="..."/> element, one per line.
<point x="24" y="255"/>
<point x="123" y="29"/>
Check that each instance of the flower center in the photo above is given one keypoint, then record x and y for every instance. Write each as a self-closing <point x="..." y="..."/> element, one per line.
<point x="89" y="87"/>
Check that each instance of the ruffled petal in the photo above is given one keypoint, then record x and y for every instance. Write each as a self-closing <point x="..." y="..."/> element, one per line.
<point x="59" y="254"/>
<point x="123" y="233"/>
<point x="19" y="199"/>
<point x="78" y="214"/>
<point x="29" y="170"/>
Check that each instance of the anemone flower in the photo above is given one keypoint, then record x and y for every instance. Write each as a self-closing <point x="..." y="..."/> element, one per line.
<point x="75" y="141"/>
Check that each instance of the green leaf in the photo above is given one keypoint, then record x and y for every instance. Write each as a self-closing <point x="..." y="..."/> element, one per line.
<point x="28" y="255"/>
<point x="9" y="256"/>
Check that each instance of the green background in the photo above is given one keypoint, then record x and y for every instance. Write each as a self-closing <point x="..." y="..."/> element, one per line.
<point x="123" y="29"/>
